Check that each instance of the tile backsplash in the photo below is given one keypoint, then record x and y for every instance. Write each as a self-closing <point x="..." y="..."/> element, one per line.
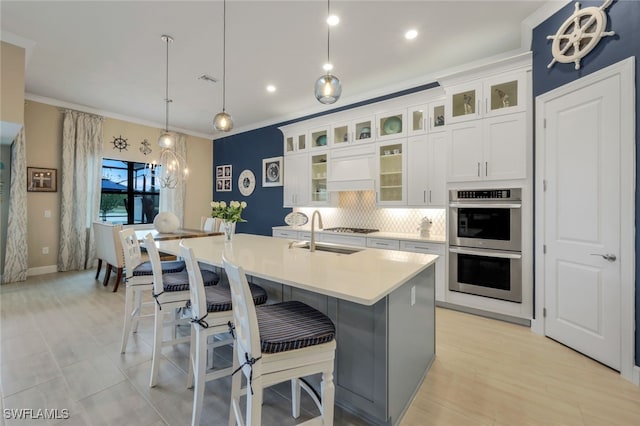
<point x="358" y="210"/>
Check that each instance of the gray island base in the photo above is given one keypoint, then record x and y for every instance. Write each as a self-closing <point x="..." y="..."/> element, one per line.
<point x="381" y="301"/>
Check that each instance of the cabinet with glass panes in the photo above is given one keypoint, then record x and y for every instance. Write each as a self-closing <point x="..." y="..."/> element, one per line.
<point x="391" y="180"/>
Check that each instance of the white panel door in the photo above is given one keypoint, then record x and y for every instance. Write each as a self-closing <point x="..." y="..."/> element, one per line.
<point x="417" y="171"/>
<point x="582" y="220"/>
<point x="437" y="169"/>
<point x="505" y="147"/>
<point x="465" y="152"/>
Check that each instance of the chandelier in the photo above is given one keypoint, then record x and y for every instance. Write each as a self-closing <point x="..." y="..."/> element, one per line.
<point x="328" y="88"/>
<point x="173" y="167"/>
<point x="222" y="120"/>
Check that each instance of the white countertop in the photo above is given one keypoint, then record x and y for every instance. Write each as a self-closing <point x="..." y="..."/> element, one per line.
<point x="441" y="239"/>
<point x="364" y="277"/>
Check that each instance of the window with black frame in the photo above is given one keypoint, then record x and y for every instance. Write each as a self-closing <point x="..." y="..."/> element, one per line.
<point x="130" y="193"/>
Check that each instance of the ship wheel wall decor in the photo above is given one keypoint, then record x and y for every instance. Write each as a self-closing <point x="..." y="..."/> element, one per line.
<point x="120" y="143"/>
<point x="579" y="34"/>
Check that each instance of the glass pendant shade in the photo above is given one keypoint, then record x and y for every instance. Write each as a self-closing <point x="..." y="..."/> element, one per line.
<point x="328" y="89"/>
<point x="223" y="122"/>
<point x="166" y="140"/>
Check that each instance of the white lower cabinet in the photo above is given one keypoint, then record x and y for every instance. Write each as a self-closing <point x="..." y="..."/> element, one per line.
<point x="284" y="233"/>
<point x="383" y="243"/>
<point x="431" y="248"/>
<point x="348" y="240"/>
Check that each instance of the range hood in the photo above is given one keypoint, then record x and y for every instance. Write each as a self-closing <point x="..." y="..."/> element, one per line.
<point x="351" y="169"/>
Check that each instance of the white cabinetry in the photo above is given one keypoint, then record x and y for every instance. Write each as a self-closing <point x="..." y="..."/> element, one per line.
<point x="426" y="170"/>
<point x="494" y="148"/>
<point x="296" y="180"/>
<point x="348" y="240"/>
<point x="391" y="182"/>
<point x="383" y="243"/>
<point x="426" y="118"/>
<point x="391" y="125"/>
<point x="295" y="140"/>
<point x="354" y="131"/>
<point x="284" y="233"/>
<point x="431" y="248"/>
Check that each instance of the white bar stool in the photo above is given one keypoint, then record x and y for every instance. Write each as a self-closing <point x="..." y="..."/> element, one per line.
<point x="276" y="343"/>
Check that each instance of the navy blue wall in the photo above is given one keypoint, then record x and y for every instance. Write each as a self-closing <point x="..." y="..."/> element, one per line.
<point x="624" y="19"/>
<point x="246" y="151"/>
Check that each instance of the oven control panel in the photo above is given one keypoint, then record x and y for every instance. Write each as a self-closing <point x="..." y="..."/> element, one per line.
<point x="487" y="194"/>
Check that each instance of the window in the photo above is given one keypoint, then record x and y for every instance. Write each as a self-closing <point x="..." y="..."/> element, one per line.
<point x="130" y="193"/>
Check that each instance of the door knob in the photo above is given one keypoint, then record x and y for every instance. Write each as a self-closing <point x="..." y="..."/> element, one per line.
<point x="607" y="257"/>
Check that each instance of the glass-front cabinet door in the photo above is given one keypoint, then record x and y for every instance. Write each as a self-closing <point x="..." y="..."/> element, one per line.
<point x="464" y="103"/>
<point x="319" y="138"/>
<point x="392" y="173"/>
<point x="416" y="116"/>
<point x="295" y="142"/>
<point x="340" y="134"/>
<point x="363" y="129"/>
<point x="391" y="125"/>
<point x="319" y="178"/>
<point x="436" y="117"/>
<point x="505" y="94"/>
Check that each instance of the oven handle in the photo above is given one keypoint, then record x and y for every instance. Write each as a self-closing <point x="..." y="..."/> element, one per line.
<point x="487" y="205"/>
<point x="485" y="253"/>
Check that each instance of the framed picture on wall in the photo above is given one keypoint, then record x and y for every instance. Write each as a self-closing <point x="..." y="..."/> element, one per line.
<point x="219" y="171"/>
<point x="272" y="171"/>
<point x="42" y="180"/>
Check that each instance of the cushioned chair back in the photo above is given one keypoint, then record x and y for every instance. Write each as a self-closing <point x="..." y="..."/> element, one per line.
<point x="131" y="250"/>
<point x="156" y="266"/>
<point x="108" y="246"/>
<point x="196" y="284"/>
<point x="221" y="227"/>
<point x="244" y="317"/>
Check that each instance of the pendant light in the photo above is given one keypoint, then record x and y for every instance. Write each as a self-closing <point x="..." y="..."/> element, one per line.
<point x="328" y="88"/>
<point x="223" y="121"/>
<point x="167" y="139"/>
<point x="172" y="166"/>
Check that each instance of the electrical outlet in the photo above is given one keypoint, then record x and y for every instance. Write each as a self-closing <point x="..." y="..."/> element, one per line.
<point x="45" y="250"/>
<point x="413" y="295"/>
<point x="47" y="213"/>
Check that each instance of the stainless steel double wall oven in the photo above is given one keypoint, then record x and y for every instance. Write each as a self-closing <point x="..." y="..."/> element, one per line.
<point x="485" y="242"/>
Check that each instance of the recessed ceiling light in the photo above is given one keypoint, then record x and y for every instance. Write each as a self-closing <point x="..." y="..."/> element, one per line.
<point x="411" y="34"/>
<point x="271" y="88"/>
<point x="333" y="20"/>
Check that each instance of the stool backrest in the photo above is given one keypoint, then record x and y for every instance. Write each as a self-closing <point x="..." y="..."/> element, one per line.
<point x="196" y="284"/>
<point x="209" y="224"/>
<point x="108" y="246"/>
<point x="156" y="266"/>
<point x="131" y="250"/>
<point x="244" y="315"/>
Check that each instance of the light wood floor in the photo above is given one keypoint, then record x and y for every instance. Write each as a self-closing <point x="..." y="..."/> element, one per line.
<point x="60" y="340"/>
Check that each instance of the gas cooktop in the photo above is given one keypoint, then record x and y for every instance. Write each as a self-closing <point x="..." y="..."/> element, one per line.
<point x="351" y="230"/>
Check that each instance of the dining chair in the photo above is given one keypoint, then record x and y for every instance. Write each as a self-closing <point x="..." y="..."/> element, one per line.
<point x="170" y="291"/>
<point x="211" y="317"/>
<point x="209" y="224"/>
<point x="276" y="343"/>
<point x="108" y="250"/>
<point x="138" y="279"/>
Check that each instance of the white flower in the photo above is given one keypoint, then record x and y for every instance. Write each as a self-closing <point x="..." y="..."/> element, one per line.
<point x="234" y="204"/>
<point x="215" y="204"/>
<point x="223" y="204"/>
<point x="243" y="204"/>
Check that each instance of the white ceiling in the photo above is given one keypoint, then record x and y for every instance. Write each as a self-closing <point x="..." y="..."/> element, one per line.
<point x="108" y="55"/>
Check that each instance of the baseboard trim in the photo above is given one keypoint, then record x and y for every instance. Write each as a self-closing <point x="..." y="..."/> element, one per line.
<point x="41" y="270"/>
<point x="493" y="315"/>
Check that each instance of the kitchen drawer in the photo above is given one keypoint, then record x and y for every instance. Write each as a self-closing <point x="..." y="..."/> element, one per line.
<point x="348" y="240"/>
<point x="420" y="247"/>
<point x="285" y="233"/>
<point x="306" y="236"/>
<point x="383" y="243"/>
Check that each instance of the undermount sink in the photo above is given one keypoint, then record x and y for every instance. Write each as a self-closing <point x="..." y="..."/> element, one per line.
<point x="331" y="248"/>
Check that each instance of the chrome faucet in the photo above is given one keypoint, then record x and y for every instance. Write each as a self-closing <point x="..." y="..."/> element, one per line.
<point x="312" y="244"/>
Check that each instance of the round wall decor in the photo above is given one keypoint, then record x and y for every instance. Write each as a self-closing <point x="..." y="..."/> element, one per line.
<point x="579" y="34"/>
<point x="246" y="182"/>
<point x="120" y="143"/>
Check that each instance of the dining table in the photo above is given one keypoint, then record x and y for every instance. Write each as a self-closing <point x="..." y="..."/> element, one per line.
<point x="177" y="235"/>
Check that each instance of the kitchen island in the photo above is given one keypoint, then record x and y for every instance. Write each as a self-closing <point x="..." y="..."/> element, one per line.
<point x="381" y="301"/>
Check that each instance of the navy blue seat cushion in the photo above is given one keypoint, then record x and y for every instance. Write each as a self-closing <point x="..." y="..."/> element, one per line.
<point x="292" y="325"/>
<point x="168" y="267"/>
<point x="219" y="297"/>
<point x="179" y="281"/>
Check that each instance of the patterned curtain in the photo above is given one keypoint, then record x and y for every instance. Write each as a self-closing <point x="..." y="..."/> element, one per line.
<point x="172" y="200"/>
<point x="15" y="257"/>
<point x="80" y="189"/>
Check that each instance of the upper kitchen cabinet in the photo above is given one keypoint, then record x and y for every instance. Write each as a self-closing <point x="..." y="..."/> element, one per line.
<point x="295" y="141"/>
<point x="489" y="97"/>
<point x="319" y="137"/>
<point x="353" y="131"/>
<point x="320" y="196"/>
<point x="391" y="125"/>
<point x="392" y="173"/>
<point x="426" y="170"/>
<point x="491" y="149"/>
<point x="296" y="180"/>
<point x="426" y="118"/>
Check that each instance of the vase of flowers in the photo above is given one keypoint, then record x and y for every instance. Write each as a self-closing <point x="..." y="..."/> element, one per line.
<point x="230" y="214"/>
